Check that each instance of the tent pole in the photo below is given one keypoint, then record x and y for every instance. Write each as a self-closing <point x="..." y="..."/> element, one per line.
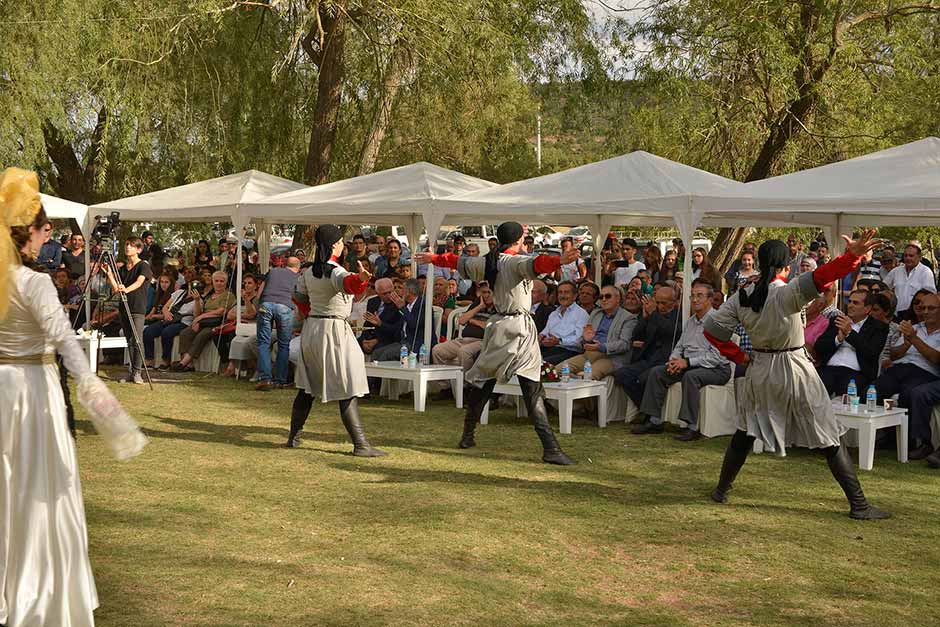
<point x="240" y="234"/>
<point x="87" y="324"/>
<point x="599" y="239"/>
<point x="432" y="223"/>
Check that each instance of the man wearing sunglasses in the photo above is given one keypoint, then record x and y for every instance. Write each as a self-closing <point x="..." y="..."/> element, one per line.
<point x="606" y="339"/>
<point x="50" y="255"/>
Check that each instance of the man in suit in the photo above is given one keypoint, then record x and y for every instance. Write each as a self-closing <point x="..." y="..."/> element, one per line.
<point x="694" y="362"/>
<point x="850" y="346"/>
<point x="655" y="335"/>
<point x="606" y="338"/>
<point x="412" y="313"/>
<point x="541" y="308"/>
<point x="384" y="321"/>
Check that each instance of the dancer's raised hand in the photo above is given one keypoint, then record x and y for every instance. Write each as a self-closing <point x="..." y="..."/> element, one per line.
<point x="865" y="242"/>
<point x="364" y="275"/>
<point x="424" y="257"/>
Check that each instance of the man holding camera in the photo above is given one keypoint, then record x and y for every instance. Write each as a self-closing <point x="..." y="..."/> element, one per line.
<point x="132" y="278"/>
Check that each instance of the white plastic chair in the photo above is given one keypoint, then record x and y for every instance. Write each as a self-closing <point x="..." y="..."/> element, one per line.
<point x="452" y="332"/>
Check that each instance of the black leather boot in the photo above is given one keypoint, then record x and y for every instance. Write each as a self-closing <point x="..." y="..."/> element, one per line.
<point x="844" y="471"/>
<point x="349" y="411"/>
<point x="735" y="456"/>
<point x="476" y="401"/>
<point x="534" y="397"/>
<point x="298" y="417"/>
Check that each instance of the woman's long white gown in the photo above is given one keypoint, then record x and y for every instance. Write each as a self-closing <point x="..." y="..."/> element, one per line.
<point x="45" y="574"/>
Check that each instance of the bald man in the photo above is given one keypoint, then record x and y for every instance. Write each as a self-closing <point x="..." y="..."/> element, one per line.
<point x="384" y="323"/>
<point x="276" y="304"/>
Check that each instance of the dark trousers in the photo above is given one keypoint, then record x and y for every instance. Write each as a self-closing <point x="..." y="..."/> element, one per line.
<point x="693" y="380"/>
<point x="69" y="410"/>
<point x="557" y="354"/>
<point x="923" y="398"/>
<point x="632" y="379"/>
<point x="167" y="332"/>
<point x="900" y="379"/>
<point x="836" y="379"/>
<point x="133" y="328"/>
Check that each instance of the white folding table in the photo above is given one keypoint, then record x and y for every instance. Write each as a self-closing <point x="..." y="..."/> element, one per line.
<point x="91" y="347"/>
<point x="867" y="422"/>
<point x="419" y="377"/>
<point x="564" y="393"/>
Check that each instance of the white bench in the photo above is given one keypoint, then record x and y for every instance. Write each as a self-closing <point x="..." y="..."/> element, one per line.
<point x="418" y="377"/>
<point x="564" y="393"/>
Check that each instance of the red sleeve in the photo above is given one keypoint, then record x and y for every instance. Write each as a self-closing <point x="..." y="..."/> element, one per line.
<point x="836" y="269"/>
<point x="304" y="308"/>
<point x="352" y="284"/>
<point x="446" y="260"/>
<point x="546" y="264"/>
<point x="727" y="348"/>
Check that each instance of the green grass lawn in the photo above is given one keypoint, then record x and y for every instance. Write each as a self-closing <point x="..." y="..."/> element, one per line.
<point x="217" y="524"/>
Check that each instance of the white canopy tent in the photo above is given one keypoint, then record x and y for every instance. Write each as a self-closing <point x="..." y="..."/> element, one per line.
<point x="634" y="189"/>
<point x="404" y="195"/>
<point x="217" y="199"/>
<point x="899" y="186"/>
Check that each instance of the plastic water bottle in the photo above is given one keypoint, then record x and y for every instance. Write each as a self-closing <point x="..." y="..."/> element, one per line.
<point x="871" y="399"/>
<point x="565" y="374"/>
<point x="403" y="356"/>
<point x="852" y="391"/>
<point x="423" y="355"/>
<point x="588" y="370"/>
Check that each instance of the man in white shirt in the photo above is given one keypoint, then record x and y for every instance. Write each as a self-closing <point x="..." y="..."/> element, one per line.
<point x="889" y="261"/>
<point x="561" y="337"/>
<point x="908" y="279"/>
<point x="915" y="362"/>
<point x="627" y="268"/>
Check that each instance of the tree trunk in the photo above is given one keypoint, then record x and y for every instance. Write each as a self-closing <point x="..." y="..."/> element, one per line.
<point x="400" y="64"/>
<point x="329" y="93"/>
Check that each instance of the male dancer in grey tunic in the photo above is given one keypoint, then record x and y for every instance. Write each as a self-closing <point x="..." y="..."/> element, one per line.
<point x="510" y="341"/>
<point x="331" y="365"/>
<point x="783" y="400"/>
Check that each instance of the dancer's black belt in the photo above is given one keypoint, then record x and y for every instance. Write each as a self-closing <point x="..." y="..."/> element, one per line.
<point x="343" y="318"/>
<point x="777" y="350"/>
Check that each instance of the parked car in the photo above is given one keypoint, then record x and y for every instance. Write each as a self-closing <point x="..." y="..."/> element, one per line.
<point x="579" y="234"/>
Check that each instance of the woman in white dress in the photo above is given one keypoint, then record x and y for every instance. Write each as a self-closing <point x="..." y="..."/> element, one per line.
<point x="783" y="400"/>
<point x="45" y="575"/>
<point x="331" y="364"/>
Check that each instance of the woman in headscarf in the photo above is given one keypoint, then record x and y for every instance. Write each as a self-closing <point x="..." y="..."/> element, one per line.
<point x="510" y="341"/>
<point x="331" y="365"/>
<point x="45" y="574"/>
<point x="783" y="401"/>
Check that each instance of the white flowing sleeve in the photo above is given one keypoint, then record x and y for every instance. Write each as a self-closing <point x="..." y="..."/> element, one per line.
<point x="111" y="421"/>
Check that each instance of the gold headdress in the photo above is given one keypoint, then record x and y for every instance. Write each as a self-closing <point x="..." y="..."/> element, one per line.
<point x="19" y="204"/>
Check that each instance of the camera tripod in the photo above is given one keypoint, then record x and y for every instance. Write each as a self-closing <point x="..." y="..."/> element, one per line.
<point x="106" y="260"/>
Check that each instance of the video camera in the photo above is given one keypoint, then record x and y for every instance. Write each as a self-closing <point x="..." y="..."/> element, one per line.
<point x="105" y="226"/>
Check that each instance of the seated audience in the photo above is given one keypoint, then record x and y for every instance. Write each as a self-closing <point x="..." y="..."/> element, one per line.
<point x="656" y="333"/>
<point x="849" y="348"/>
<point x="561" y="338"/>
<point x="412" y="329"/>
<point x="249" y="310"/>
<point x="209" y="312"/>
<point x="818" y="314"/>
<point x="384" y="323"/>
<point x="164" y="291"/>
<point x="177" y="314"/>
<point x="606" y="337"/>
<point x="915" y="361"/>
<point x="694" y="362"/>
